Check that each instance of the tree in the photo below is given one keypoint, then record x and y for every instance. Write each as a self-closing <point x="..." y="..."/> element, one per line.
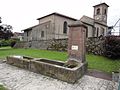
<point x="5" y="31"/>
<point x="0" y="20"/>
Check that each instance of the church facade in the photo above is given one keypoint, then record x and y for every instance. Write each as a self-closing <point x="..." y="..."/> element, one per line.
<point x="52" y="26"/>
<point x="55" y="25"/>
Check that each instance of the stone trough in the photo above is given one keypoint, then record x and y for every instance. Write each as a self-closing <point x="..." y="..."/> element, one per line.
<point x="19" y="61"/>
<point x="56" y="69"/>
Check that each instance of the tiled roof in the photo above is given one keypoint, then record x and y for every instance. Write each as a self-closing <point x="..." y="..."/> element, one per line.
<point x="87" y="20"/>
<point x="91" y="21"/>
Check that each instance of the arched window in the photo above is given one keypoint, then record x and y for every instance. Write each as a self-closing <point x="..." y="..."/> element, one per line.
<point x="105" y="11"/>
<point x="94" y="32"/>
<point x="97" y="34"/>
<point x="86" y="32"/>
<point x="65" y="27"/>
<point x="98" y="11"/>
<point x="102" y="31"/>
<point x="42" y="33"/>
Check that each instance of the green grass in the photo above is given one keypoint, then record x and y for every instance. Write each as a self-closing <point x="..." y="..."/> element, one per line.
<point x="2" y="87"/>
<point x="102" y="63"/>
<point x="94" y="61"/>
<point x="33" y="53"/>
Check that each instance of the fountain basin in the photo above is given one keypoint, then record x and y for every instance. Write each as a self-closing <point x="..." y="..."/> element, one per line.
<point x="19" y="61"/>
<point x="53" y="68"/>
<point x="57" y="69"/>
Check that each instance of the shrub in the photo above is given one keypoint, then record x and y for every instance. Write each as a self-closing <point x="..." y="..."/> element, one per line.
<point x="10" y="42"/>
<point x="112" y="47"/>
<point x="4" y="43"/>
<point x="13" y="42"/>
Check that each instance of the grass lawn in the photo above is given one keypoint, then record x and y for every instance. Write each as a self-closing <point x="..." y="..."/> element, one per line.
<point x="102" y="63"/>
<point x="33" y="53"/>
<point x="94" y="61"/>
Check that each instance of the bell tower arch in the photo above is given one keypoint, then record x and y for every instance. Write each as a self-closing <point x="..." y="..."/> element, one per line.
<point x="100" y="12"/>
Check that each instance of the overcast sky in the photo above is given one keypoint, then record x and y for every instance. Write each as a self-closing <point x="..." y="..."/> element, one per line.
<point x="22" y="14"/>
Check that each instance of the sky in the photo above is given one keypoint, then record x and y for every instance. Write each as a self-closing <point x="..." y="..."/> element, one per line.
<point x="22" y="14"/>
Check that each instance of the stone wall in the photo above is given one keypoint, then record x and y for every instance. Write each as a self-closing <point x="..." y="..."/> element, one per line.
<point x="93" y="45"/>
<point x="58" y="44"/>
<point x="55" y="44"/>
<point x="21" y="44"/>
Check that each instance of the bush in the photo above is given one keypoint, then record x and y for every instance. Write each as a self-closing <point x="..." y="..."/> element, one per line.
<point x="13" y="42"/>
<point x="10" y="42"/>
<point x="4" y="43"/>
<point x="112" y="47"/>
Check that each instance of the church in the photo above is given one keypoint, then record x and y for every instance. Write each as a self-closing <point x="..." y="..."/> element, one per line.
<point x="55" y="25"/>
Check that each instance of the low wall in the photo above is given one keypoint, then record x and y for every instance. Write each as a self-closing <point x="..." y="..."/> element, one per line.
<point x="58" y="44"/>
<point x="55" y="44"/>
<point x="93" y="45"/>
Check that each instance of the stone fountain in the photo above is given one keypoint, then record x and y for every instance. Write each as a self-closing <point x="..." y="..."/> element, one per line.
<point x="69" y="71"/>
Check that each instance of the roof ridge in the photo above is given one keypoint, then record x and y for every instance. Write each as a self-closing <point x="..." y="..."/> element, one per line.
<point x="55" y="13"/>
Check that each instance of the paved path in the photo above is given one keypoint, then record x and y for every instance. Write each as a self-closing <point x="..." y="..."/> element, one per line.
<point x="18" y="79"/>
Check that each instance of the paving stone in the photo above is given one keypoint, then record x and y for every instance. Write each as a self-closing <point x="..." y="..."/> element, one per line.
<point x="19" y="79"/>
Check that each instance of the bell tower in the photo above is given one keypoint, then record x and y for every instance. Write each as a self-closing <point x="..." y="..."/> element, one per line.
<point x="100" y="12"/>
